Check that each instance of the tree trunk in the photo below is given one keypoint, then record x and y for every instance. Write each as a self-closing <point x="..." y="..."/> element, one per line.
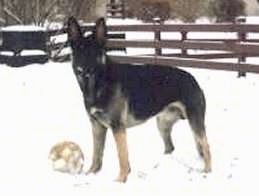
<point x="100" y="8"/>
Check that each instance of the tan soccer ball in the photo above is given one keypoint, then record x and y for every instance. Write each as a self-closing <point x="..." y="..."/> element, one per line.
<point x="67" y="157"/>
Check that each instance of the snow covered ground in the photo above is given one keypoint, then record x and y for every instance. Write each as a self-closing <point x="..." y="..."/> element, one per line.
<point x="41" y="105"/>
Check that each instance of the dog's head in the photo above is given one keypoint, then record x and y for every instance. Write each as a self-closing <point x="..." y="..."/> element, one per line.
<point x="87" y="51"/>
<point x="88" y="55"/>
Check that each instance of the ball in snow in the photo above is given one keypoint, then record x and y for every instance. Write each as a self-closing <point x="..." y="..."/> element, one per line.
<point x="67" y="157"/>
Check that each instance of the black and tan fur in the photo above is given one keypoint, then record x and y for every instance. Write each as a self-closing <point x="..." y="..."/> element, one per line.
<point x="119" y="96"/>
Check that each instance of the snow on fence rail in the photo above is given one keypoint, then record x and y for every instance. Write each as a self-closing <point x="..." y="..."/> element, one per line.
<point x="190" y="51"/>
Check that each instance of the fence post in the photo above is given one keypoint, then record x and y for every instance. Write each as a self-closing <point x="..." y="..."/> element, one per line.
<point x="241" y="38"/>
<point x="113" y="7"/>
<point x="123" y="12"/>
<point x="184" y="37"/>
<point x="158" y="51"/>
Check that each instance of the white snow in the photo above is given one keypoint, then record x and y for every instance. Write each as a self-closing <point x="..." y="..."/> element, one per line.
<point x="7" y="53"/>
<point x="32" y="52"/>
<point x="41" y="105"/>
<point x="61" y="38"/>
<point x="23" y="28"/>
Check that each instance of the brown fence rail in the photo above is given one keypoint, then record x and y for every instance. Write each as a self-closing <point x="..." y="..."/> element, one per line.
<point x="239" y="46"/>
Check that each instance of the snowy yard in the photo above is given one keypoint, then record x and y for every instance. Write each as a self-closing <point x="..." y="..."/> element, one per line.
<point x="41" y="105"/>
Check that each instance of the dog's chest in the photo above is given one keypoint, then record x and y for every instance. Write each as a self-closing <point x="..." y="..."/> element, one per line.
<point x="106" y="101"/>
<point x="113" y="119"/>
<point x="114" y="112"/>
<point x="101" y="100"/>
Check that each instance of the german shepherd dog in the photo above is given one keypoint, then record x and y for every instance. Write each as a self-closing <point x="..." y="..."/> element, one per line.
<point x="118" y="96"/>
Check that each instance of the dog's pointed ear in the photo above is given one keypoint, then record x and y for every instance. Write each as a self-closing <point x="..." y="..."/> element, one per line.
<point x="73" y="29"/>
<point x="100" y="31"/>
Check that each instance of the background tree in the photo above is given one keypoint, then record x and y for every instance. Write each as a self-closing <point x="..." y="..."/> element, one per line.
<point x="39" y="12"/>
<point x="226" y="10"/>
<point x="148" y="10"/>
<point x="188" y="10"/>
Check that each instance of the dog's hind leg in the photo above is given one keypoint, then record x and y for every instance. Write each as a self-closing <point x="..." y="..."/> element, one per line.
<point x="196" y="121"/>
<point x="165" y="121"/>
<point x="99" y="136"/>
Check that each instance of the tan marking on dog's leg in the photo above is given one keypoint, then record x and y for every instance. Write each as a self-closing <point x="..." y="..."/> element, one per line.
<point x="122" y="148"/>
<point x="206" y="153"/>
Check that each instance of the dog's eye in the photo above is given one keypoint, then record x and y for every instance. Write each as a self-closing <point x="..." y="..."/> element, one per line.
<point x="79" y="70"/>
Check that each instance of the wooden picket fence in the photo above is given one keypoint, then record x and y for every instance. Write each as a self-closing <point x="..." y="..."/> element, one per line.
<point x="208" y="50"/>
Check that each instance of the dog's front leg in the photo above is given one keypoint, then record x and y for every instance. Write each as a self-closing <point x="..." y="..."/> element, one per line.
<point x="99" y="136"/>
<point x="122" y="148"/>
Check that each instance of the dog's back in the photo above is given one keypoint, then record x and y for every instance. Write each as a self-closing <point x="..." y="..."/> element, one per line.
<point x="150" y="88"/>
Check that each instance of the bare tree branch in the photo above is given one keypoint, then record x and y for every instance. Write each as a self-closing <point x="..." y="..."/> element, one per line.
<point x="41" y="11"/>
<point x="11" y="14"/>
